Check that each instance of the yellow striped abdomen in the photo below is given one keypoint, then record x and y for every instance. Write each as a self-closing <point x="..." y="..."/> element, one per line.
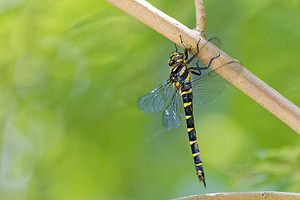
<point x="187" y="97"/>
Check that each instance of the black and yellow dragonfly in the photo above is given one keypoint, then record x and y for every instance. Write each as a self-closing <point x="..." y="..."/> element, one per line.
<point x="195" y="83"/>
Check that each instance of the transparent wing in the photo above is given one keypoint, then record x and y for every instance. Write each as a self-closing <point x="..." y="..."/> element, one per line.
<point x="174" y="111"/>
<point x="208" y="86"/>
<point x="155" y="100"/>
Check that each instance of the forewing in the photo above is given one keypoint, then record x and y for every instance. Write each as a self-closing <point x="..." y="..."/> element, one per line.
<point x="208" y="86"/>
<point x="174" y="111"/>
<point x="155" y="100"/>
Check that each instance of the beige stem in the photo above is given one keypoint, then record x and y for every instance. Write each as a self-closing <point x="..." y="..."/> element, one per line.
<point x="268" y="195"/>
<point x="200" y="17"/>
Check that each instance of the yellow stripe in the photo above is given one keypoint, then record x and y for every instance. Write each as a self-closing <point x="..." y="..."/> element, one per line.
<point x="187" y="78"/>
<point x="189" y="91"/>
<point x="189" y="129"/>
<point x="188" y="116"/>
<point x="179" y="60"/>
<point x="174" y="69"/>
<point x="182" y="70"/>
<point x="172" y="54"/>
<point x="192" y="142"/>
<point x="177" y="83"/>
<point x="187" y="104"/>
<point x="199" y="164"/>
<point x="195" y="154"/>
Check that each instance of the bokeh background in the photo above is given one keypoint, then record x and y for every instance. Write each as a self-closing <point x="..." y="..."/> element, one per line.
<point x="70" y="76"/>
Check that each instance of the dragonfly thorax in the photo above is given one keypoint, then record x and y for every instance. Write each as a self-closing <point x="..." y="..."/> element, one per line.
<point x="179" y="76"/>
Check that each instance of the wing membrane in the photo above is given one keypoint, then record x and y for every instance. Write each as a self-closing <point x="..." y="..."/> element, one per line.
<point x="173" y="113"/>
<point x="155" y="100"/>
<point x="208" y="86"/>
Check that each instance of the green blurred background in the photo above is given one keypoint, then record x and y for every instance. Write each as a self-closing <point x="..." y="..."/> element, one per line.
<point x="70" y="76"/>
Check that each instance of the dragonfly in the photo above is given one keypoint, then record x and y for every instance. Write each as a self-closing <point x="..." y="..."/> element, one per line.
<point x="190" y="81"/>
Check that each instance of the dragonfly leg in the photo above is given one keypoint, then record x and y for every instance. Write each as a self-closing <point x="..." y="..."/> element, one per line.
<point x="176" y="50"/>
<point x="202" y="68"/>
<point x="198" y="69"/>
<point x="212" y="60"/>
<point x="185" y="49"/>
<point x="196" y="73"/>
<point x="192" y="58"/>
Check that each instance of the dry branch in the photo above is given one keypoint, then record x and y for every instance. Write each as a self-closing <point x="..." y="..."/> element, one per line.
<point x="245" y="196"/>
<point x="200" y="17"/>
<point x="235" y="73"/>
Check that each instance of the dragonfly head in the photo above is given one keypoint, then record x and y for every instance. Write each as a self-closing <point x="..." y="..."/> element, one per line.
<point x="175" y="58"/>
